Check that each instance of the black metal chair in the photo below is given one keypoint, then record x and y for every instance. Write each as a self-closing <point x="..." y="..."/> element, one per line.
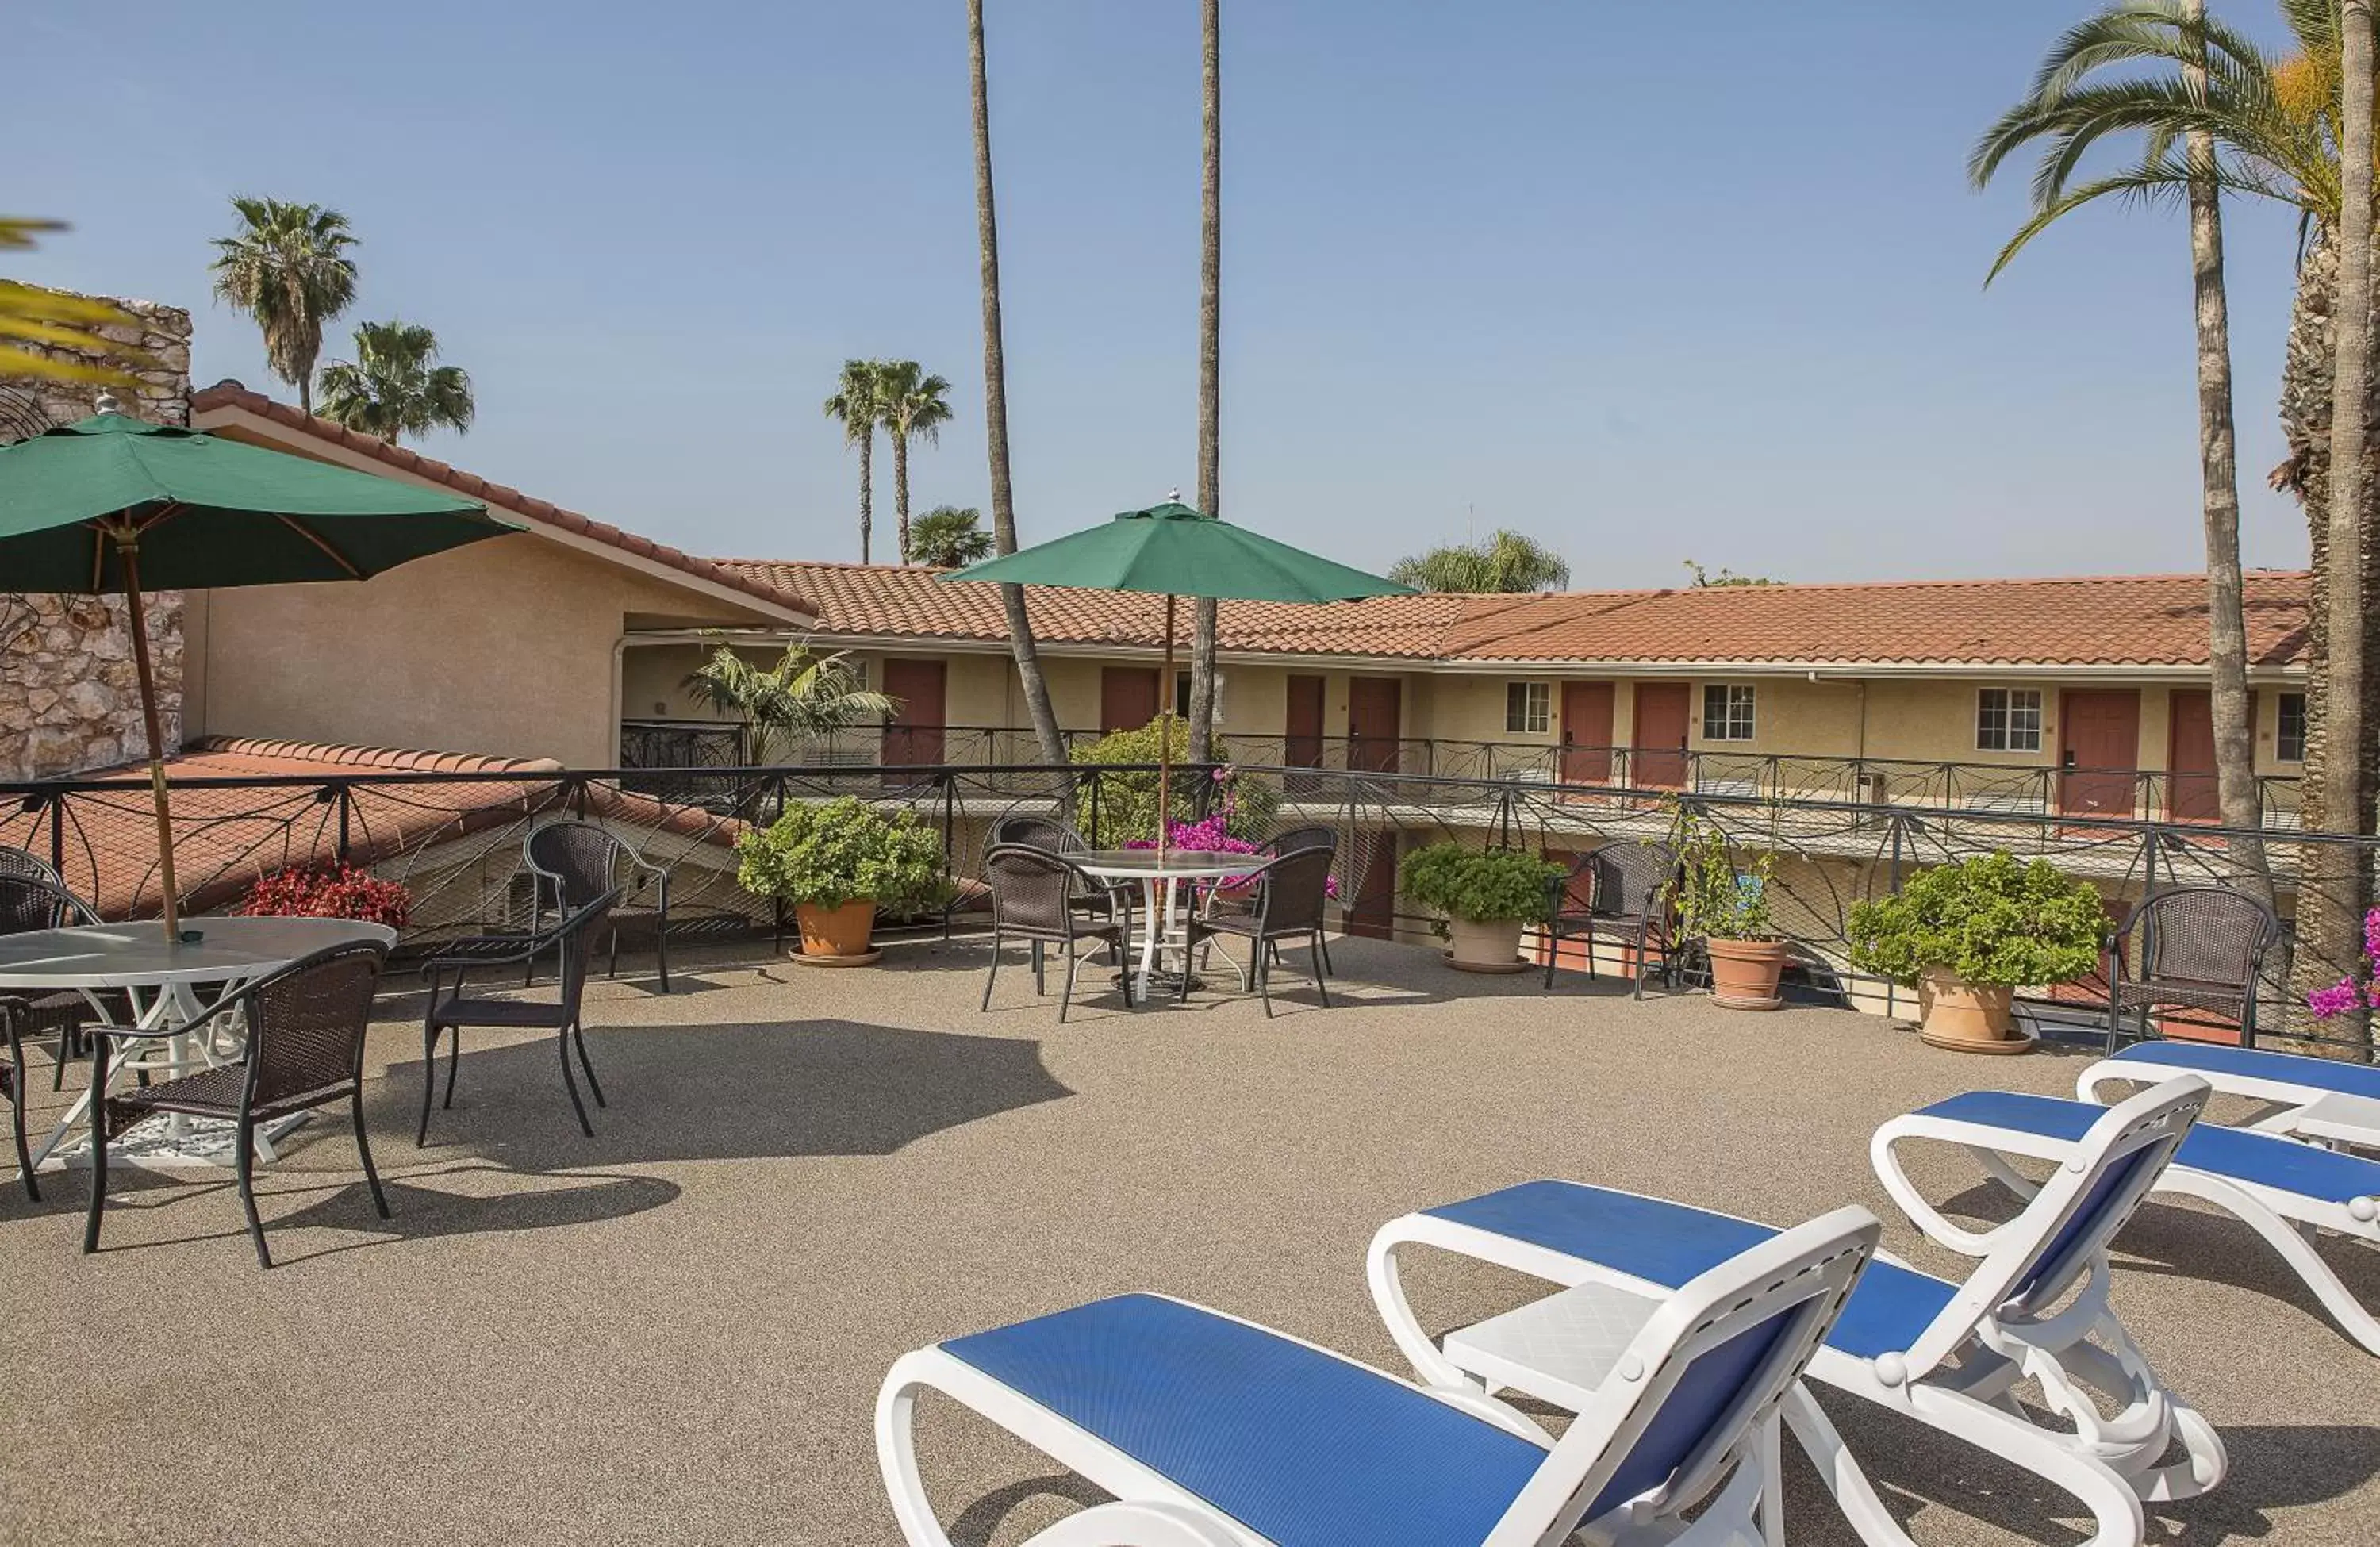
<point x="305" y="1026"/>
<point x="572" y="863"/>
<point x="12" y="1089"/>
<point x="1290" y="892"/>
<point x="34" y="897"/>
<point x="1625" y="898"/>
<point x="1059" y="836"/>
<point x="2195" y="948"/>
<point x="1036" y="895"/>
<point x="573" y="939"/>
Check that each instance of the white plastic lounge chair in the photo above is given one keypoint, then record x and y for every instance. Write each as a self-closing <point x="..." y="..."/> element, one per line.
<point x="1945" y="1354"/>
<point x="2291" y="1081"/>
<point x="2282" y="1188"/>
<point x="1212" y="1431"/>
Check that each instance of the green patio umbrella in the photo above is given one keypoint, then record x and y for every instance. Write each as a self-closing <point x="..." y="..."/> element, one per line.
<point x="111" y="503"/>
<point x="1172" y="551"/>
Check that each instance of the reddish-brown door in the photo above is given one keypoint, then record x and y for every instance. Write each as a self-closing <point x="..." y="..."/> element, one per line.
<point x="912" y="737"/>
<point x="1659" y="754"/>
<point x="1302" y="740"/>
<point x="1586" y="733"/>
<point x="1374" y="705"/>
<point x="2098" y="751"/>
<point x="1374" y="912"/>
<point x="1127" y="697"/>
<point x="2191" y="793"/>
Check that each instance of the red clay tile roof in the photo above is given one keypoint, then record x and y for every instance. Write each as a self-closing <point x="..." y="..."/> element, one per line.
<point x="224" y="839"/>
<point x="2144" y="620"/>
<point x="231" y="394"/>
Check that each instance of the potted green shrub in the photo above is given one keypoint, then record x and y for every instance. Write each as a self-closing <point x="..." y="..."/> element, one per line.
<point x="1725" y="905"/>
<point x="1968" y="935"/>
<point x="1487" y="896"/>
<point x="838" y="863"/>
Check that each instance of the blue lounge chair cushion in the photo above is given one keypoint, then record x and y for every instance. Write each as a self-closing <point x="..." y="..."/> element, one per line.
<point x="2217" y="1059"/>
<point x="1298" y="1445"/>
<point x="2235" y="1154"/>
<point x="1666" y="1244"/>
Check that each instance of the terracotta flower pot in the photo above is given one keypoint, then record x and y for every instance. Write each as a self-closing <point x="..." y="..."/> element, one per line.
<point x="1744" y="973"/>
<point x="1967" y="1018"/>
<point x="836" y="932"/>
<point x="1484" y="944"/>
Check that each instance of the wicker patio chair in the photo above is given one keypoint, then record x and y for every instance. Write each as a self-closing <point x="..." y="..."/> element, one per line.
<point x="305" y="1025"/>
<point x="1624" y="900"/>
<point x="1036" y="895"/>
<point x="2191" y="948"/>
<point x="12" y="1089"/>
<point x="573" y="938"/>
<point x="572" y="863"/>
<point x="34" y="897"/>
<point x="1290" y="891"/>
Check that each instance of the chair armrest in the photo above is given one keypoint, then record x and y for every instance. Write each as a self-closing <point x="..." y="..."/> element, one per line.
<point x="486" y="950"/>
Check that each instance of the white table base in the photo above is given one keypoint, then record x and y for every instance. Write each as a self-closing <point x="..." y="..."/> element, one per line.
<point x="169" y="1139"/>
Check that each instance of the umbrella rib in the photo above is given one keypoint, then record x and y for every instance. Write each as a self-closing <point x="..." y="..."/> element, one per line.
<point x="317" y="540"/>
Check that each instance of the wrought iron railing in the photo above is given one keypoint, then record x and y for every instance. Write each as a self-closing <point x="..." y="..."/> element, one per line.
<point x="454" y="839"/>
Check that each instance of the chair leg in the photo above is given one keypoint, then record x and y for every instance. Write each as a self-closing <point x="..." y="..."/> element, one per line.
<point x="1553" y="949"/>
<point x="990" y="976"/>
<point x="570" y="1083"/>
<point x="1124" y="967"/>
<point x="578" y="1040"/>
<point x="1066" y="993"/>
<point x="16" y="1125"/>
<point x="1260" y="963"/>
<point x="98" y="1144"/>
<point x="429" y="1079"/>
<point x="245" y="1169"/>
<point x="363" y="1149"/>
<point x="660" y="946"/>
<point x="1636" y="975"/>
<point x="1040" y="984"/>
<point x="69" y="1044"/>
<point x="1327" y="965"/>
<point x="454" y="1061"/>
<point x="1318" y="966"/>
<point x="611" y="969"/>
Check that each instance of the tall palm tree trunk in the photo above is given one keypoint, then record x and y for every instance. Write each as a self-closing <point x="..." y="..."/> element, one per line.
<point x="901" y="489"/>
<point x="1211" y="322"/>
<point x="995" y="409"/>
<point x="2232" y="708"/>
<point x="867" y="493"/>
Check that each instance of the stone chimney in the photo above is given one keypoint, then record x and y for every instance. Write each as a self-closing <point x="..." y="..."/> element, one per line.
<point x="69" y="697"/>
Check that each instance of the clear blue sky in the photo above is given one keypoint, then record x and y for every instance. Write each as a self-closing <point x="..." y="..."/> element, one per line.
<point x="1649" y="282"/>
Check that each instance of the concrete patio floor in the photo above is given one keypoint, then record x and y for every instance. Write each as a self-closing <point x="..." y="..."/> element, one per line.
<point x="673" y="1332"/>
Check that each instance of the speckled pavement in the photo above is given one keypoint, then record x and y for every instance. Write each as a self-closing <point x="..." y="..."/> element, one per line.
<point x="674" y="1333"/>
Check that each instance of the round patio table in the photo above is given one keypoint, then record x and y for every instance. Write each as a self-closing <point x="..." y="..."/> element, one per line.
<point x="164" y="981"/>
<point x="1160" y="877"/>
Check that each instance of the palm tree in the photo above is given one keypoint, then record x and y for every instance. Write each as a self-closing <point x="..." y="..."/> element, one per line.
<point x="803" y="695"/>
<point x="1506" y="561"/>
<point x="395" y="387"/>
<point x="949" y="537"/>
<point x="858" y="406"/>
<point x="2065" y="69"/>
<point x="995" y="407"/>
<point x="1210" y="345"/>
<point x="2273" y="125"/>
<point x="912" y="403"/>
<point x="43" y="330"/>
<point x="287" y="268"/>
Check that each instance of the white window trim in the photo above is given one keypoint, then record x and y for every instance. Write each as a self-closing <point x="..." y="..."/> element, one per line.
<point x="1537" y="704"/>
<point x="2040" y="718"/>
<point x="2297" y="761"/>
<point x="1731" y="689"/>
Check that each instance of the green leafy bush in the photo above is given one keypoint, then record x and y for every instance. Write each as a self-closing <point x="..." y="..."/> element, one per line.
<point x="1482" y="885"/>
<point x="1988" y="919"/>
<point x="1128" y="801"/>
<point x="842" y="851"/>
<point x="1716" y="897"/>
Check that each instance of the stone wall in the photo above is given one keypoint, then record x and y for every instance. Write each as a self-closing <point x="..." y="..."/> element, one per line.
<point x="69" y="696"/>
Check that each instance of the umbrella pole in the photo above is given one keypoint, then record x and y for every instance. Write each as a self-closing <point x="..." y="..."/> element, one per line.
<point x="128" y="548"/>
<point x="1165" y="734"/>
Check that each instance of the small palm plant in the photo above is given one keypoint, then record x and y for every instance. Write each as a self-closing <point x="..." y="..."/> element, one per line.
<point x="394" y="387"/>
<point x="803" y="695"/>
<point x="1504" y="562"/>
<point x="949" y="537"/>
<point x="287" y="268"/>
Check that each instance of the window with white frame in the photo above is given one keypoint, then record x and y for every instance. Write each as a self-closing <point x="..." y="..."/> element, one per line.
<point x="1727" y="712"/>
<point x="2289" y="740"/>
<point x="1528" y="707"/>
<point x="2007" y="720"/>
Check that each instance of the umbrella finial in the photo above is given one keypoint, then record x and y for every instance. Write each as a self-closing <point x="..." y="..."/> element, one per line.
<point x="1174" y="493"/>
<point x="107" y="403"/>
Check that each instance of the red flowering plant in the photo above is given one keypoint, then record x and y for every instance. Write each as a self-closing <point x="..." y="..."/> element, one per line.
<point x="2347" y="993"/>
<point x="329" y="892"/>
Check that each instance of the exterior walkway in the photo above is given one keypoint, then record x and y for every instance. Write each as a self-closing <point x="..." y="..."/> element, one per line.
<point x="674" y="1333"/>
